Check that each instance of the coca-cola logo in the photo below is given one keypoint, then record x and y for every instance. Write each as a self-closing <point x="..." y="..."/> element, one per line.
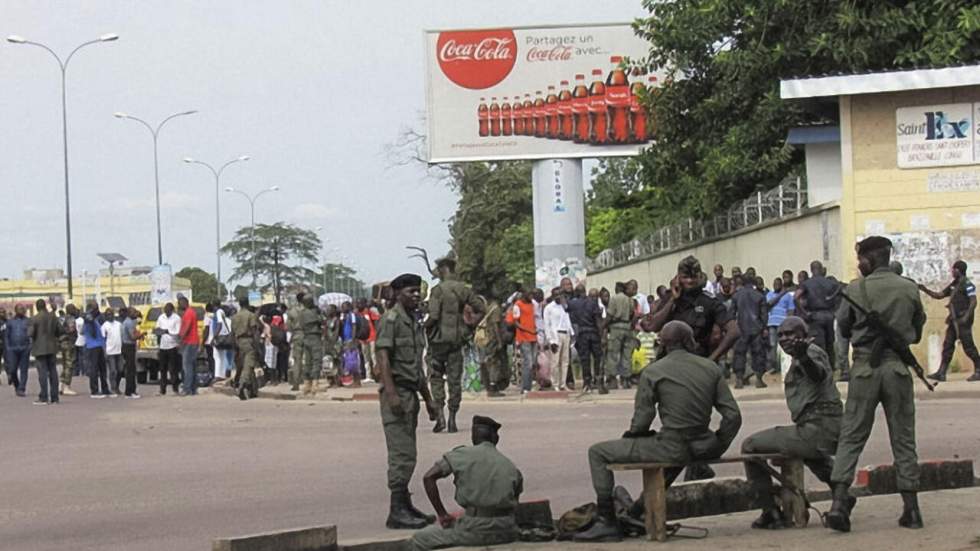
<point x="477" y="59"/>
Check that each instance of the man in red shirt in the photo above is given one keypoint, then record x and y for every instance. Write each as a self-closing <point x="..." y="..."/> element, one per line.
<point x="189" y="343"/>
<point x="521" y="316"/>
<point x="371" y="315"/>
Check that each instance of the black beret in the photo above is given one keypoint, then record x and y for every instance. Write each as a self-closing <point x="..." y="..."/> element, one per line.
<point x="486" y="421"/>
<point x="406" y="280"/>
<point x="873" y="243"/>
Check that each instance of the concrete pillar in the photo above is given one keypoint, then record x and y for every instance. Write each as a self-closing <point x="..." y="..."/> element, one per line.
<point x="559" y="222"/>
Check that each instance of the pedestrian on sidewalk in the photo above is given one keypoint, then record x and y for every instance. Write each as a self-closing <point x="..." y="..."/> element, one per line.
<point x="962" y="294"/>
<point x="190" y="343"/>
<point x="167" y="331"/>
<point x="17" y="344"/>
<point x="296" y="336"/>
<point x="521" y="316"/>
<point x="779" y="301"/>
<point x="559" y="332"/>
<point x="586" y="317"/>
<point x="371" y="316"/>
<point x="112" y="331"/>
<point x="98" y="384"/>
<point x="750" y="313"/>
<point x="3" y="333"/>
<point x="131" y="336"/>
<point x="45" y="331"/>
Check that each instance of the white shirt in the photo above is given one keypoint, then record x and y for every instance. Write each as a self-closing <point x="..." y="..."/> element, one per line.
<point x="112" y="331"/>
<point x="712" y="288"/>
<point x="641" y="299"/>
<point x="556" y="320"/>
<point x="170" y="324"/>
<point x="79" y="328"/>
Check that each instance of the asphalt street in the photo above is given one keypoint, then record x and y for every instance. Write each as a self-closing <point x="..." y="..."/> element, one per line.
<point x="166" y="473"/>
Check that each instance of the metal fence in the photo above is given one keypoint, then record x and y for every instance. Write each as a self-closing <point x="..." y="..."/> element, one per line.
<point x="788" y="198"/>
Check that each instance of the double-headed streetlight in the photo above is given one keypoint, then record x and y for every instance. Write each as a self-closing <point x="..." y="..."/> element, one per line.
<point x="63" y="64"/>
<point x="156" y="164"/>
<point x="251" y="202"/>
<point x="217" y="201"/>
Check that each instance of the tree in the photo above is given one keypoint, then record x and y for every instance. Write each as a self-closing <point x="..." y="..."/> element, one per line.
<point x="281" y="253"/>
<point x="204" y="285"/>
<point x="338" y="278"/>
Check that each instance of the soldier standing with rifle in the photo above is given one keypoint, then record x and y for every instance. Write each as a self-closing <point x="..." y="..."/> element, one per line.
<point x="962" y="295"/>
<point x="881" y="315"/>
<point x="297" y="336"/>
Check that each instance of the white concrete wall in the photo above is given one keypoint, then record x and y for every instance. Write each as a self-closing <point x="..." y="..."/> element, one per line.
<point x="823" y="173"/>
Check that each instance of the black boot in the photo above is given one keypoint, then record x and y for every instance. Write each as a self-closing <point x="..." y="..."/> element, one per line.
<point x="602" y="385"/>
<point x="770" y="519"/>
<point x="940" y="375"/>
<point x="605" y="527"/>
<point x="400" y="517"/>
<point x="492" y="392"/>
<point x="839" y="516"/>
<point x="452" y="422"/>
<point x="911" y="516"/>
<point x="241" y="393"/>
<point x="429" y="519"/>
<point x="440" y="422"/>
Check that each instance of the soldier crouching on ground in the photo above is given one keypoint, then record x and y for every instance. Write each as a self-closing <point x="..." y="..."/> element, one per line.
<point x="815" y="407"/>
<point x="488" y="486"/>
<point x="685" y="387"/>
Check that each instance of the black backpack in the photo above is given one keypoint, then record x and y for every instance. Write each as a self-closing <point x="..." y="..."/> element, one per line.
<point x="362" y="328"/>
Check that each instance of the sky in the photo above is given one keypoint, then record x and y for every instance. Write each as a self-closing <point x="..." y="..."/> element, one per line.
<point x="311" y="90"/>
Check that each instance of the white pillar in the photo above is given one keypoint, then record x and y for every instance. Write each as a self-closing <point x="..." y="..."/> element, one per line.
<point x="559" y="222"/>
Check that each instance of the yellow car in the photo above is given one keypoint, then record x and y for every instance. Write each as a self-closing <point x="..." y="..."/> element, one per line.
<point x="147" y="351"/>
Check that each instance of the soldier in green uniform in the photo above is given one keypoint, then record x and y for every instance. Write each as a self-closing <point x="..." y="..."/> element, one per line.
<point x="68" y="351"/>
<point x="294" y="322"/>
<point x="312" y="327"/>
<point x="620" y="338"/>
<point x="488" y="487"/>
<point x="494" y="369"/>
<point x="962" y="295"/>
<point x="399" y="359"/>
<point x="684" y="387"/>
<point x="815" y="408"/>
<point x="244" y="326"/>
<point x="331" y="344"/>
<point x="896" y="300"/>
<point x="447" y="333"/>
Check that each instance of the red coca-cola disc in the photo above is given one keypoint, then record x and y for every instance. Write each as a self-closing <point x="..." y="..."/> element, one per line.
<point x="477" y="59"/>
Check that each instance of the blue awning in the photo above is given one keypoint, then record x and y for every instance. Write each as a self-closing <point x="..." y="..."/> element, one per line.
<point x="813" y="134"/>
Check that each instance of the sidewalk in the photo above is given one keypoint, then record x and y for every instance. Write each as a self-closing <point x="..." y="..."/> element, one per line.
<point x="956" y="387"/>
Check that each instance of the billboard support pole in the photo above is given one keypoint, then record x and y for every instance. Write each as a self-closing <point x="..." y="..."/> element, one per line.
<point x="559" y="222"/>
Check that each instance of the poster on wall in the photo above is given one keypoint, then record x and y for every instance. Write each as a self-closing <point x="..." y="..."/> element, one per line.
<point x="536" y="93"/>
<point x="937" y="135"/>
<point x="161" y="284"/>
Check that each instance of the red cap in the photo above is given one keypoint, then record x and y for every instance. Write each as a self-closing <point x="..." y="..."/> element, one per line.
<point x="538" y="92"/>
<point x="597" y="72"/>
<point x="579" y="77"/>
<point x="564" y="83"/>
<point x="527" y="95"/>
<point x="506" y="98"/>
<point x="616" y="59"/>
<point x="483" y="99"/>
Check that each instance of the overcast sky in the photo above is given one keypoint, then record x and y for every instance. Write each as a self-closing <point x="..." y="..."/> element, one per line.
<point x="311" y="90"/>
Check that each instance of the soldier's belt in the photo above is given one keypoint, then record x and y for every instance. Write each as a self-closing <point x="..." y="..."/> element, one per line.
<point x="619" y="324"/>
<point x="820" y="411"/>
<point x="489" y="512"/>
<point x="685" y="434"/>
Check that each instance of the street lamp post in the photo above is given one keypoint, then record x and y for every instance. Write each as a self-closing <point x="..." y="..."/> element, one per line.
<point x="217" y="202"/>
<point x="63" y="64"/>
<point x="251" y="202"/>
<point x="156" y="165"/>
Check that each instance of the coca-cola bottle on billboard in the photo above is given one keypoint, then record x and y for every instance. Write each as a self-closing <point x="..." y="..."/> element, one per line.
<point x="540" y="121"/>
<point x="506" y="122"/>
<point x="518" y="113"/>
<point x="580" y="110"/>
<point x="528" y="115"/>
<point x="483" y="116"/>
<point x="618" y="101"/>
<point x="551" y="112"/>
<point x="638" y="115"/>
<point x="494" y="117"/>
<point x="598" y="117"/>
<point x="565" y="112"/>
<point x="651" y="114"/>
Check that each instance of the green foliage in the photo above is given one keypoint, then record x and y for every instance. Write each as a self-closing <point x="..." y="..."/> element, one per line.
<point x="281" y="253"/>
<point x="338" y="278"/>
<point x="204" y="285"/>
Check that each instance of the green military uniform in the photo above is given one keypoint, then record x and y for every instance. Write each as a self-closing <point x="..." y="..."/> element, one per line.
<point x="66" y="343"/>
<point x="445" y="356"/>
<point x="400" y="336"/>
<point x="620" y="341"/>
<point x="685" y="387"/>
<point x="488" y="486"/>
<point x="494" y="369"/>
<point x="815" y="408"/>
<point x="243" y="326"/>
<point x="312" y="327"/>
<point x="294" y="322"/>
<point x="896" y="300"/>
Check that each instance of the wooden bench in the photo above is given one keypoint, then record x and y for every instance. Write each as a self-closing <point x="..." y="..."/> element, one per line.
<point x="655" y="491"/>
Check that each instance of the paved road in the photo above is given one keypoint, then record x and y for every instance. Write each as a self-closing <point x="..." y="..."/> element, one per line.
<point x="171" y="473"/>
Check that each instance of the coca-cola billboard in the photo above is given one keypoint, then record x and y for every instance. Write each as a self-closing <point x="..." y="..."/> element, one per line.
<point x="537" y="93"/>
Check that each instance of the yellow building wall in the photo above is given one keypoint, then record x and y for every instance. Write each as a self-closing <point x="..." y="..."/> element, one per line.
<point x="931" y="229"/>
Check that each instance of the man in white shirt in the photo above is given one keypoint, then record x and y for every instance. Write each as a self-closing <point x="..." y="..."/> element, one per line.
<point x="168" y="356"/>
<point x="558" y="332"/>
<point x="713" y="287"/>
<point x="112" y="331"/>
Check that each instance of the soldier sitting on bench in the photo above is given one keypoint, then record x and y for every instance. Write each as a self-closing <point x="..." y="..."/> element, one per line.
<point x="815" y="407"/>
<point x="685" y="387"/>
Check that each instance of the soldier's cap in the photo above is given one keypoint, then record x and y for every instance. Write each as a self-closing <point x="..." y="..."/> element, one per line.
<point x="873" y="243"/>
<point x="689" y="266"/>
<point x="447" y="260"/>
<point x="406" y="280"/>
<point x="486" y="421"/>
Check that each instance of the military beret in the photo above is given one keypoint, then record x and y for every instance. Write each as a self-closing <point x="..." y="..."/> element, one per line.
<point x="446" y="261"/>
<point x="406" y="280"/>
<point x="689" y="266"/>
<point x="873" y="243"/>
<point x="486" y="421"/>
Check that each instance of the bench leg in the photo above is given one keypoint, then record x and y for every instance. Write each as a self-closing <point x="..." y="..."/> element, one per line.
<point x="655" y="502"/>
<point x="792" y="470"/>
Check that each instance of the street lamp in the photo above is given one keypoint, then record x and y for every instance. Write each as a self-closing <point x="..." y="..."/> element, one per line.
<point x="251" y="203"/>
<point x="217" y="201"/>
<point x="63" y="64"/>
<point x="156" y="164"/>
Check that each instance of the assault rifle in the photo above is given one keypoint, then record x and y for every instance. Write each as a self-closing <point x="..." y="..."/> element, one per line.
<point x="886" y="337"/>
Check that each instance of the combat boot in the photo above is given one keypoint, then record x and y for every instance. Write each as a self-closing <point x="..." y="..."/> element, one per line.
<point x="759" y="383"/>
<point x="440" y="422"/>
<point x="940" y="375"/>
<point x="602" y="386"/>
<point x="400" y="516"/>
<point x="492" y="392"/>
<point x="839" y="516"/>
<point x="975" y="377"/>
<point x="771" y="519"/>
<point x="911" y="516"/>
<point x="429" y="519"/>
<point x="452" y="422"/>
<point x="605" y="528"/>
<point x="739" y="383"/>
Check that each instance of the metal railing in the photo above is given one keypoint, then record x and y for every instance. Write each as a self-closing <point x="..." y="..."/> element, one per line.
<point x="788" y="198"/>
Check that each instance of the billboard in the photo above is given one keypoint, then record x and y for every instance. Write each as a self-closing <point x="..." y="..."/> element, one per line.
<point x="535" y="93"/>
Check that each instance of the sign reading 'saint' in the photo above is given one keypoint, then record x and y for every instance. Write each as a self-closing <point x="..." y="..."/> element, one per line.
<point x="938" y="135"/>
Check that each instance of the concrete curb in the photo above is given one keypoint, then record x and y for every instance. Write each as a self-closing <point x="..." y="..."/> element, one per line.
<point x="317" y="538"/>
